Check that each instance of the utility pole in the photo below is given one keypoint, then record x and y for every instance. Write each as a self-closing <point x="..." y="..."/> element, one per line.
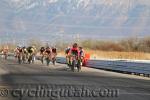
<point x="47" y="44"/>
<point x="7" y="40"/>
<point x="62" y="36"/>
<point x="78" y="38"/>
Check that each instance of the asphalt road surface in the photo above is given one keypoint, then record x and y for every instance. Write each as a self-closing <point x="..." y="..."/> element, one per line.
<point x="41" y="82"/>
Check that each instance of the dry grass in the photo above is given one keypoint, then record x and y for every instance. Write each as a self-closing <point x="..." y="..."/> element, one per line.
<point x="124" y="45"/>
<point x="119" y="55"/>
<point x="115" y="55"/>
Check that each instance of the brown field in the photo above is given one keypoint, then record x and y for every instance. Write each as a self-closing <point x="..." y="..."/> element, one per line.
<point x="96" y="54"/>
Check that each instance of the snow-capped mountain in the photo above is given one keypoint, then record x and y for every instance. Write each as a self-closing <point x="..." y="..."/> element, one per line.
<point x="48" y="19"/>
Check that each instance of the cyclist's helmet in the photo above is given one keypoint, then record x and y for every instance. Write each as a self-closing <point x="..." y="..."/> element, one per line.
<point x="75" y="45"/>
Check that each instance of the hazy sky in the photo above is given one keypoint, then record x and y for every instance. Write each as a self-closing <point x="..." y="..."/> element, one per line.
<point x="108" y="18"/>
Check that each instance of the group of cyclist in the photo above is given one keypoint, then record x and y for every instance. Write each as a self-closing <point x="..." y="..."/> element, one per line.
<point x="75" y="56"/>
<point x="25" y="54"/>
<point x="49" y="54"/>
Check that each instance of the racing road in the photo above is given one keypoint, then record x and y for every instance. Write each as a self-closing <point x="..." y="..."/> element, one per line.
<point x="14" y="76"/>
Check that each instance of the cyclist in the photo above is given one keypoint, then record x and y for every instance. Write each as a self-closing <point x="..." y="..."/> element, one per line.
<point x="67" y="50"/>
<point x="42" y="51"/>
<point x="5" y="51"/>
<point x="16" y="52"/>
<point x="20" y="50"/>
<point x="74" y="57"/>
<point x="48" y="50"/>
<point x="20" y="54"/>
<point x="53" y="55"/>
<point x="48" y="53"/>
<point x="25" y="53"/>
<point x="31" y="54"/>
<point x="54" y="51"/>
<point x="81" y="55"/>
<point x="30" y="50"/>
<point x="74" y="50"/>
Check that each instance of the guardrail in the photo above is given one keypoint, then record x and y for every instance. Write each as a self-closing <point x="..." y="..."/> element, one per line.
<point x="136" y="68"/>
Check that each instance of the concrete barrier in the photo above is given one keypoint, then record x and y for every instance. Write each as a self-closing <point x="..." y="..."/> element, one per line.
<point x="118" y="66"/>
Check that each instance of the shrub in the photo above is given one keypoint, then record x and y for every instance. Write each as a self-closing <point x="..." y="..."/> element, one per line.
<point x="128" y="45"/>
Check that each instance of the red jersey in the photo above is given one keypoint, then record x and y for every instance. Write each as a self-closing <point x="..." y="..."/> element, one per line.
<point x="74" y="51"/>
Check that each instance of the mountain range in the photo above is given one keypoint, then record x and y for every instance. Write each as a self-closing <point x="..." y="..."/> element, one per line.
<point x="52" y="20"/>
